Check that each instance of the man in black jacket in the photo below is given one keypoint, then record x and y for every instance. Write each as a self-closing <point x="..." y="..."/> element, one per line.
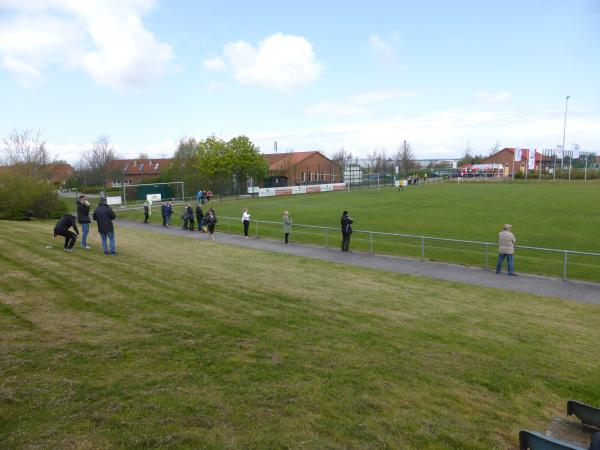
<point x="163" y="212"/>
<point x="104" y="216"/>
<point x="83" y="217"/>
<point x="62" y="229"/>
<point x="346" y="222"/>
<point x="199" y="217"/>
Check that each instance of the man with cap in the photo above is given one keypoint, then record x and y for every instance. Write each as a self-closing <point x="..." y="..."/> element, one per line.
<point x="62" y="229"/>
<point x="506" y="249"/>
<point x="346" y="223"/>
<point x="104" y="216"/>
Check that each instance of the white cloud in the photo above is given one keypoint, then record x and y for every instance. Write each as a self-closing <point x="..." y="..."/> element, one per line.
<point x="357" y="105"/>
<point x="441" y="134"/>
<point x="385" y="47"/>
<point x="27" y="74"/>
<point x="106" y="39"/>
<point x="493" y="97"/>
<point x="279" y="62"/>
<point x="214" y="63"/>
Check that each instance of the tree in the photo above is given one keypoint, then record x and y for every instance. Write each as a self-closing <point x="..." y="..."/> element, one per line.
<point x="405" y="159"/>
<point x="245" y="160"/>
<point x="96" y="163"/>
<point x="495" y="148"/>
<point x="342" y="157"/>
<point x="27" y="153"/>
<point x="185" y="166"/>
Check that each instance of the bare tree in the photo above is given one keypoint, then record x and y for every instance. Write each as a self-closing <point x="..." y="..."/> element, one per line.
<point x="406" y="158"/>
<point x="97" y="161"/>
<point x="342" y="157"/>
<point x="26" y="151"/>
<point x="372" y="159"/>
<point x="495" y="148"/>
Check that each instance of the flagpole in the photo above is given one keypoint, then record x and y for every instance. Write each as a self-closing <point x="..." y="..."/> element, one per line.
<point x="570" y="165"/>
<point x="554" y="167"/>
<point x="540" y="167"/>
<point x="585" y="173"/>
<point x="527" y="164"/>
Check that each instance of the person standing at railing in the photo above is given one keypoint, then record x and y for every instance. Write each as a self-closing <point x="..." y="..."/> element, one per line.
<point x="287" y="226"/>
<point x="346" y="223"/>
<point x="200" y="217"/>
<point x="506" y="249"/>
<point x="211" y="221"/>
<point x="246" y="221"/>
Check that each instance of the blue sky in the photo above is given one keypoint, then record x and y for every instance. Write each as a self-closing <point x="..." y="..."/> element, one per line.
<point x="312" y="76"/>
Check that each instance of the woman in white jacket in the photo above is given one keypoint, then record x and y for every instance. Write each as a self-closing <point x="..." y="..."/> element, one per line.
<point x="246" y="221"/>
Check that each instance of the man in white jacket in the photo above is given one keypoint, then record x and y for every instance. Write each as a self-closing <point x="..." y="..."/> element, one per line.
<point x="506" y="244"/>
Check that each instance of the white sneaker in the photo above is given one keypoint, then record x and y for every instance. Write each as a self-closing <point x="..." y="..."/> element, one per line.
<point x="87" y="247"/>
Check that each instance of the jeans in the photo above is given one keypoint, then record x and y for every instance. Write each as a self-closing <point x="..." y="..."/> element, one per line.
<point x="111" y="237"/>
<point x="85" y="229"/>
<point x="511" y="262"/>
<point x="168" y="220"/>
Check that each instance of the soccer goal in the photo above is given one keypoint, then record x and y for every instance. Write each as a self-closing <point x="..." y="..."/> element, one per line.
<point x="139" y="193"/>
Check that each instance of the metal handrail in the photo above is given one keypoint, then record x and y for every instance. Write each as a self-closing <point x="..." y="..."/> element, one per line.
<point x="423" y="238"/>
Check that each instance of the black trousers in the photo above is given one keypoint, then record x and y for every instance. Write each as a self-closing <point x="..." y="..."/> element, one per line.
<point x="146" y="217"/>
<point x="70" y="237"/>
<point x="287" y="237"/>
<point x="246" y="225"/>
<point x="191" y="224"/>
<point x="164" y="220"/>
<point x="199" y="220"/>
<point x="345" y="241"/>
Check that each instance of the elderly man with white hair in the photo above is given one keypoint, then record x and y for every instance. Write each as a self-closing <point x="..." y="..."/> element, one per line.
<point x="506" y="244"/>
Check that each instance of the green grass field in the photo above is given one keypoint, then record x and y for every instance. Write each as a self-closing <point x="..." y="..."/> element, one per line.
<point x="551" y="215"/>
<point x="178" y="343"/>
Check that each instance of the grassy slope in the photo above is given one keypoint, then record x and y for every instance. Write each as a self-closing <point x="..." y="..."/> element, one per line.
<point x="190" y="344"/>
<point x="554" y="215"/>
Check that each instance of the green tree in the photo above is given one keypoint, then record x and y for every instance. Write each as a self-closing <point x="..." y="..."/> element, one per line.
<point x="245" y="161"/>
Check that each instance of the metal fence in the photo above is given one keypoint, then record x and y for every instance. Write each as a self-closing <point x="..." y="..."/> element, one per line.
<point x="541" y="260"/>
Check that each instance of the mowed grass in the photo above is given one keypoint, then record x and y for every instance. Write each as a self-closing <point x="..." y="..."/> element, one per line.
<point x="180" y="343"/>
<point x="551" y="215"/>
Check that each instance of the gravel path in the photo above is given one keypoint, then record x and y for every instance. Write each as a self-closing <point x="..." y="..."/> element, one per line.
<point x="533" y="284"/>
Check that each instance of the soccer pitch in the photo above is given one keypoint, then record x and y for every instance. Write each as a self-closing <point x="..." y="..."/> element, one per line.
<point x="184" y="343"/>
<point x="551" y="215"/>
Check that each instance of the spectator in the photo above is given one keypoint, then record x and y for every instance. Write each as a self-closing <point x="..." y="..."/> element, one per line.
<point x="104" y="216"/>
<point x="163" y="213"/>
<point x="346" y="222"/>
<point x="200" y="196"/>
<point x="83" y="217"/>
<point x="185" y="218"/>
<point x="287" y="226"/>
<point x="146" y="212"/>
<point x="506" y="244"/>
<point x="246" y="222"/>
<point x="168" y="214"/>
<point x="190" y="215"/>
<point x="209" y="195"/>
<point x="62" y="229"/>
<point x="211" y="221"/>
<point x="200" y="217"/>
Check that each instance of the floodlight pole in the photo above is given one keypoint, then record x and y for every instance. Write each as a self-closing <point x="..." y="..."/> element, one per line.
<point x="564" y="133"/>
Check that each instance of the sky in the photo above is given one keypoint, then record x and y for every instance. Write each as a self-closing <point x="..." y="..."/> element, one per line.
<point x="311" y="75"/>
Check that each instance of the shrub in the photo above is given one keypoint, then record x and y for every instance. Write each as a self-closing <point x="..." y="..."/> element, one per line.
<point x="24" y="197"/>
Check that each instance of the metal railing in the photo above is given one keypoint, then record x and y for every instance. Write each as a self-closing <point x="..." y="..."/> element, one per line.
<point x="368" y="240"/>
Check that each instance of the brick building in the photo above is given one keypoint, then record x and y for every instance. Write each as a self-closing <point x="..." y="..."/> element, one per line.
<point x="506" y="157"/>
<point x="136" y="171"/>
<point x="291" y="169"/>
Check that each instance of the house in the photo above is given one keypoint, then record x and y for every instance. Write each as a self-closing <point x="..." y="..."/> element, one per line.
<point x="506" y="157"/>
<point x="136" y="171"/>
<point x="296" y="168"/>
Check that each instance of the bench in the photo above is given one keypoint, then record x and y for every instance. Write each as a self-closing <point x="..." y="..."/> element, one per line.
<point x="532" y="440"/>
<point x="588" y="415"/>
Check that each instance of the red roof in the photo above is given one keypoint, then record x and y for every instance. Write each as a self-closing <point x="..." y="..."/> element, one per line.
<point x="278" y="160"/>
<point x="524" y="154"/>
<point x="135" y="166"/>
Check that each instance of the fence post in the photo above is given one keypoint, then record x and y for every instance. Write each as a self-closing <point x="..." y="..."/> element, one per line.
<point x="326" y="244"/>
<point x="422" y="247"/>
<point x="486" y="256"/>
<point x="565" y="267"/>
<point x="371" y="234"/>
<point x="257" y="229"/>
